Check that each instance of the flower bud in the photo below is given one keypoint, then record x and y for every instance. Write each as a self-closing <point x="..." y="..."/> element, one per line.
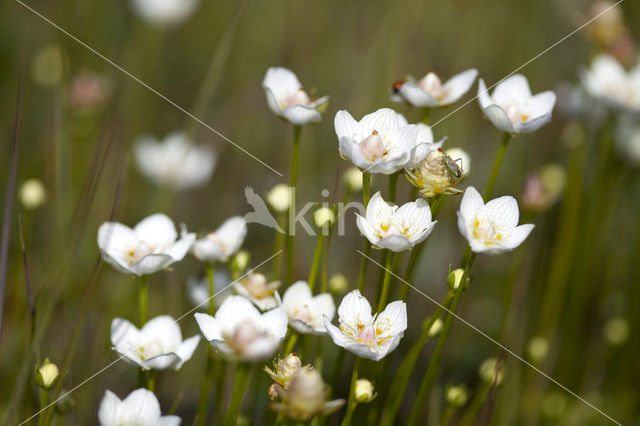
<point x="240" y="261"/>
<point x="353" y="179"/>
<point x="279" y="198"/>
<point x="616" y="331"/>
<point x="454" y="278"/>
<point x="47" y="66"/>
<point x="435" y="329"/>
<point x="338" y="284"/>
<point x="364" y="391"/>
<point x="65" y="403"/>
<point x="47" y="375"/>
<point x="457" y="396"/>
<point x="537" y="349"/>
<point x="32" y="194"/>
<point x="324" y="216"/>
<point x="285" y="368"/>
<point x="487" y="371"/>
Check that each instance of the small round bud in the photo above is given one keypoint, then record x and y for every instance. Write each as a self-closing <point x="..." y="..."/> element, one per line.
<point x="240" y="261"/>
<point x="65" y="403"/>
<point x="353" y="179"/>
<point x="279" y="198"/>
<point x="435" y="329"/>
<point x="553" y="178"/>
<point x="616" y="331"/>
<point x="537" y="349"/>
<point x="47" y="375"/>
<point x="324" y="216"/>
<point x="32" y="194"/>
<point x="364" y="391"/>
<point x="338" y="284"/>
<point x="47" y="66"/>
<point x="454" y="278"/>
<point x="487" y="371"/>
<point x="457" y="396"/>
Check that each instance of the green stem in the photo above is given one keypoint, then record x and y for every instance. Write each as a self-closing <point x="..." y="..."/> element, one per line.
<point x="366" y="188"/>
<point x="425" y="113"/>
<point x="430" y="374"/>
<point x="143" y="296"/>
<point x="447" y="415"/>
<point x="393" y="186"/>
<point x="478" y="400"/>
<point x="317" y="257"/>
<point x="497" y="162"/>
<point x="386" y="280"/>
<point x="205" y="386"/>
<point x="151" y="380"/>
<point x="351" y="405"/>
<point x="291" y="342"/>
<point x="212" y="288"/>
<point x="293" y="181"/>
<point x="278" y="245"/>
<point x="366" y="196"/>
<point x="239" y="386"/>
<point x="44" y="400"/>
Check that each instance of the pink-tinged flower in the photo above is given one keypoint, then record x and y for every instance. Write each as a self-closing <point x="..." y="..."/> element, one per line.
<point x="431" y="92"/>
<point x="306" y="311"/>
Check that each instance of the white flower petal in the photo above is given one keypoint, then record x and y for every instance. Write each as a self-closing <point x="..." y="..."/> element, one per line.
<point x="503" y="210"/>
<point x="301" y="115"/>
<point x="417" y="97"/>
<point x="499" y="118"/>
<point x="143" y="406"/>
<point x="518" y="235"/>
<point x="354" y="309"/>
<point x="515" y="86"/>
<point x="395" y="243"/>
<point x="209" y="326"/>
<point x="151" y="263"/>
<point x="157" y="230"/>
<point x="458" y="85"/>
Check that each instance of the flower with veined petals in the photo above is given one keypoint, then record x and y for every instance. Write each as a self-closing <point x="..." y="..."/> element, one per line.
<point x="395" y="228"/>
<point x="150" y="246"/>
<point x="288" y="100"/>
<point x="431" y="92"/>
<point x="165" y="13"/>
<point x="140" y="408"/>
<point x="306" y="396"/>
<point x="609" y="82"/>
<point x="158" y="345"/>
<point x="512" y="108"/>
<point x="306" y="311"/>
<point x="491" y="228"/>
<point x="223" y="243"/>
<point x="367" y="336"/>
<point x="239" y="330"/>
<point x="379" y="143"/>
<point x="255" y="288"/>
<point x="175" y="162"/>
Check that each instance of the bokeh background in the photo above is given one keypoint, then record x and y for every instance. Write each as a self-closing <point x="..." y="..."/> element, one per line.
<point x="568" y="290"/>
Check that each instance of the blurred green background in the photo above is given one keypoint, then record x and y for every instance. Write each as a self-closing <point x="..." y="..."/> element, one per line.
<point x="351" y="51"/>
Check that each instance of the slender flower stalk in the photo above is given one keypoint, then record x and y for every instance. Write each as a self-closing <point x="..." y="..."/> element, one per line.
<point x="211" y="281"/>
<point x="366" y="196"/>
<point x="207" y="378"/>
<point x="143" y="297"/>
<point x="425" y="113"/>
<point x="315" y="264"/>
<point x="293" y="181"/>
<point x="386" y="281"/>
<point x="430" y="373"/>
<point x="239" y="386"/>
<point x="497" y="162"/>
<point x="351" y="405"/>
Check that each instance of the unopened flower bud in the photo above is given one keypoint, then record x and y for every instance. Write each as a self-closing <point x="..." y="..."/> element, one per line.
<point x="353" y="179"/>
<point x="435" y="328"/>
<point x="47" y="375"/>
<point x="324" y="216"/>
<point x="537" y="349"/>
<point x="454" y="278"/>
<point x="616" y="331"/>
<point x="338" y="284"/>
<point x="487" y="371"/>
<point x="32" y="194"/>
<point x="457" y="396"/>
<point x="240" y="261"/>
<point x="364" y="391"/>
<point x="279" y="198"/>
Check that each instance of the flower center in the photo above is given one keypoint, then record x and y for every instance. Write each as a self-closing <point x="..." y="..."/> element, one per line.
<point x="515" y="113"/>
<point x="487" y="232"/>
<point x="299" y="98"/>
<point x="432" y="85"/>
<point x="373" y="147"/>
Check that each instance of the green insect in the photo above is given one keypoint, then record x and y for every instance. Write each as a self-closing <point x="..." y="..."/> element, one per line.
<point x="454" y="166"/>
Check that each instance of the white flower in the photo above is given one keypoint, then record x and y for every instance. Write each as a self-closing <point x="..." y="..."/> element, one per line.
<point x="512" y="108"/>
<point x="223" y="243"/>
<point x="140" y="408"/>
<point x="288" y="100"/>
<point x="175" y="161"/>
<point x="381" y="142"/>
<point x="158" y="345"/>
<point x="609" y="82"/>
<point x="198" y="289"/>
<point x="367" y="336"/>
<point x="491" y="228"/>
<point x="239" y="330"/>
<point x="393" y="228"/>
<point x="255" y="288"/>
<point x="430" y="92"/>
<point x="306" y="311"/>
<point x="150" y="246"/>
<point x="165" y="13"/>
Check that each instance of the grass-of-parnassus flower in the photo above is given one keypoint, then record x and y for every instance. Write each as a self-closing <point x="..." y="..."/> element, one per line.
<point x="512" y="108"/>
<point x="175" y="162"/>
<point x="306" y="311"/>
<point x="221" y="244"/>
<point x="288" y="100"/>
<point x="430" y="92"/>
<point x="491" y="228"/>
<point x="609" y="82"/>
<point x="158" y="345"/>
<point x="395" y="228"/>
<point x="152" y="245"/>
<point x="140" y="408"/>
<point x="256" y="288"/>
<point x="240" y="331"/>
<point x="368" y="336"/>
<point x="165" y="13"/>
